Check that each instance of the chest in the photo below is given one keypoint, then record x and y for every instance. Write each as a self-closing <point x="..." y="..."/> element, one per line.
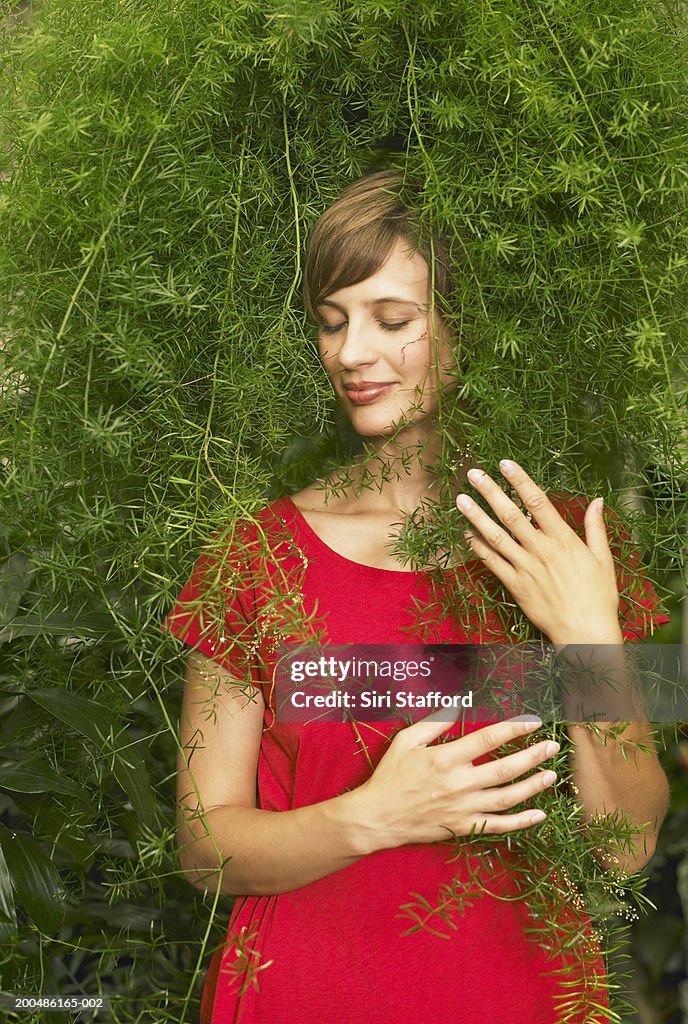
<point x="365" y="538"/>
<point x="368" y="535"/>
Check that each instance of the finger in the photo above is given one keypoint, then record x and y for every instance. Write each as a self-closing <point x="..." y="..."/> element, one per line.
<point x="596" y="531"/>
<point x="509" y="513"/>
<point x="481" y="741"/>
<point x="535" y="499"/>
<point x="494" y="800"/>
<point x="419" y="734"/>
<point x="498" y="824"/>
<point x="504" y="769"/>
<point x="493" y="560"/>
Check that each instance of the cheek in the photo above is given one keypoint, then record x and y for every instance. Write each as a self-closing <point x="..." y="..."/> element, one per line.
<point x="426" y="357"/>
<point x="415" y="353"/>
<point x="325" y="352"/>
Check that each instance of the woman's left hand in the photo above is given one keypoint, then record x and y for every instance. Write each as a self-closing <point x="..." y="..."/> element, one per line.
<point x="564" y="585"/>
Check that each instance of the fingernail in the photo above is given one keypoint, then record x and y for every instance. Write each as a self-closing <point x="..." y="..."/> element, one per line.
<point x="599" y="504"/>
<point x="507" y="466"/>
<point x="533" y="725"/>
<point x="552" y="748"/>
<point x="548" y="778"/>
<point x="537" y="816"/>
<point x="463" y="501"/>
<point x="476" y="476"/>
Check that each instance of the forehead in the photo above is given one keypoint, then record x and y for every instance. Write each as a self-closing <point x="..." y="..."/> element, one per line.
<point x="403" y="278"/>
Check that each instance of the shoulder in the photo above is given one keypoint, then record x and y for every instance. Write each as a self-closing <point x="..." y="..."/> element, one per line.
<point x="317" y="497"/>
<point x="243" y="542"/>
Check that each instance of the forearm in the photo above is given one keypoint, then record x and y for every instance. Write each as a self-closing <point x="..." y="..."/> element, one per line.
<point x="249" y="851"/>
<point x="616" y="775"/>
<point x="615" y="765"/>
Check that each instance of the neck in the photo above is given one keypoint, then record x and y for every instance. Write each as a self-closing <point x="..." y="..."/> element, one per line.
<point x="398" y="474"/>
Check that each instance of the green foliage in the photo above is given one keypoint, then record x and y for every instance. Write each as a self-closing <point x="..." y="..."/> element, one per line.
<point x="163" y="162"/>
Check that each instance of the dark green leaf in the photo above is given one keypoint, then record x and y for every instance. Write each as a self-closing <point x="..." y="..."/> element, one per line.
<point x="131" y="773"/>
<point x="15" y="575"/>
<point x="8" y="916"/>
<point x="85" y="627"/>
<point x="36" y="778"/>
<point x="85" y="716"/>
<point x="94" y="722"/>
<point x="35" y="880"/>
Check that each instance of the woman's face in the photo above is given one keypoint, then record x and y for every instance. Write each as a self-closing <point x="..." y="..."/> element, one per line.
<point x="380" y="332"/>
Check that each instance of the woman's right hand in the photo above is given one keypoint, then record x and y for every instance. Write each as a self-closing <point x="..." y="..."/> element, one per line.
<point x="423" y="794"/>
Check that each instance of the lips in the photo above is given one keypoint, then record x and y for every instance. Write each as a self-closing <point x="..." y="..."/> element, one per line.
<point x="364" y="394"/>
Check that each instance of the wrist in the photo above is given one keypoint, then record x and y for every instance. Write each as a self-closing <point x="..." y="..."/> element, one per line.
<point x="362" y="831"/>
<point x="592" y="638"/>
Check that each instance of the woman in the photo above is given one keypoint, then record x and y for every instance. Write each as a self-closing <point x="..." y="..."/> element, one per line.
<point x="331" y="833"/>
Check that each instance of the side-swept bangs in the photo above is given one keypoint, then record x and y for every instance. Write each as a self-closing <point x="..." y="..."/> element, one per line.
<point x="355" y="235"/>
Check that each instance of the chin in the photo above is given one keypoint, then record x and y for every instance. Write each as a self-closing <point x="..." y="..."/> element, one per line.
<point x="372" y="426"/>
<point x="371" y="429"/>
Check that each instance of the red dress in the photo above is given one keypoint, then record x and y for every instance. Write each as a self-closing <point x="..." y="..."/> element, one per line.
<point x="343" y="948"/>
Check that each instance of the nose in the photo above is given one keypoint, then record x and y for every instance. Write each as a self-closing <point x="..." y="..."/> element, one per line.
<point x="356" y="346"/>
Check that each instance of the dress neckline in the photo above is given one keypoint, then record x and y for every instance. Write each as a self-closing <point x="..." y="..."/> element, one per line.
<point x="369" y="570"/>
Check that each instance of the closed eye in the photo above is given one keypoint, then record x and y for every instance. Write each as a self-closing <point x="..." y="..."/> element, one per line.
<point x="393" y="327"/>
<point x="333" y="328"/>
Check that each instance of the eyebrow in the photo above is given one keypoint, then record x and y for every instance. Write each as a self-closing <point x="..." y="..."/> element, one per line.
<point x="374" y="302"/>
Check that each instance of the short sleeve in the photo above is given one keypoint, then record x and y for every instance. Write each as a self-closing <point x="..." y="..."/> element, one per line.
<point x="640" y="609"/>
<point x="213" y="613"/>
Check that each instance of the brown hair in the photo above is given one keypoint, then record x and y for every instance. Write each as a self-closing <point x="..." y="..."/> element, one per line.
<point x="352" y="239"/>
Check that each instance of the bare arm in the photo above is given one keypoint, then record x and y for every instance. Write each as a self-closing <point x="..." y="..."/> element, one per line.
<point x="264" y="852"/>
<point x="616" y="767"/>
<point x="567" y="588"/>
<point x="623" y="776"/>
